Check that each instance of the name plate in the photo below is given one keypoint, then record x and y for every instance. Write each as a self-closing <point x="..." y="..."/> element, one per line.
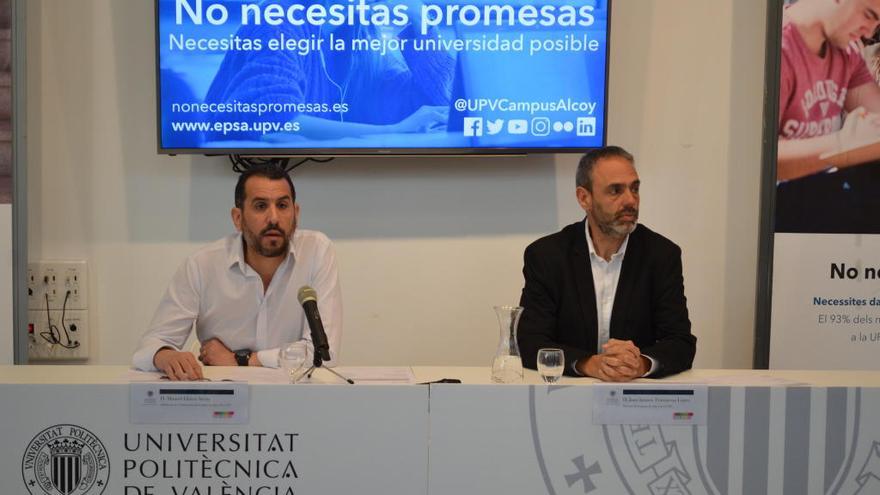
<point x="650" y="404"/>
<point x="189" y="403"/>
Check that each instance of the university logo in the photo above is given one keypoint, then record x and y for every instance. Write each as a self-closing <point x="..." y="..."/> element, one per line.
<point x="756" y="441"/>
<point x="65" y="460"/>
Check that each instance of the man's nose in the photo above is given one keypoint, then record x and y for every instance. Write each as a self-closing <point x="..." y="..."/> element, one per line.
<point x="272" y="214"/>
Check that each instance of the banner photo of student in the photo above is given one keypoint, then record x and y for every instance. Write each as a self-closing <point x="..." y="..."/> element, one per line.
<point x="825" y="310"/>
<point x="275" y="75"/>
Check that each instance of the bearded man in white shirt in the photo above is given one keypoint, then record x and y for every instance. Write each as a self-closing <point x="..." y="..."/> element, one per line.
<point x="240" y="292"/>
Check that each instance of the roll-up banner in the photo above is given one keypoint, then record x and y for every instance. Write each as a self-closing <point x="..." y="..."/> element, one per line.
<point x="825" y="309"/>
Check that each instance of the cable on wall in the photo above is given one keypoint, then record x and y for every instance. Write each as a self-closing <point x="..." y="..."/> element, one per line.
<point x="242" y="163"/>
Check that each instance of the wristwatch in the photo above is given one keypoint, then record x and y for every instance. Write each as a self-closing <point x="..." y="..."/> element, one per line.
<point x="242" y="356"/>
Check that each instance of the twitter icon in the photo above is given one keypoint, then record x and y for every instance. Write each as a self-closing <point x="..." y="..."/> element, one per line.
<point x="494" y="126"/>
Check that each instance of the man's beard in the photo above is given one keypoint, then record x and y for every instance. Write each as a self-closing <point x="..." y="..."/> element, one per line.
<point x="611" y="226"/>
<point x="271" y="251"/>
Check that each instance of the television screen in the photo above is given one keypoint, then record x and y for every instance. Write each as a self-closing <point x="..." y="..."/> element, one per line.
<point x="308" y="77"/>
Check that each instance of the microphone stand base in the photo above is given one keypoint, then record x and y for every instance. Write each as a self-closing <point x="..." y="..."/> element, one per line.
<point x="308" y="374"/>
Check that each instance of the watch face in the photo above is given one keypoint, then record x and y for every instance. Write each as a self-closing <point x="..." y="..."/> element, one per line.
<point x="242" y="357"/>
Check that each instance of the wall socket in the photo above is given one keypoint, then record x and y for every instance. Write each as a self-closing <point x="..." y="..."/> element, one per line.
<point x="52" y="338"/>
<point x="58" y="290"/>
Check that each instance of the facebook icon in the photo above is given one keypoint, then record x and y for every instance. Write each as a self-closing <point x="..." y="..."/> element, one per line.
<point x="473" y="126"/>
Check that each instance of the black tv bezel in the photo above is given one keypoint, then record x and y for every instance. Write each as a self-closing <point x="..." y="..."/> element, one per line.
<point x="367" y="152"/>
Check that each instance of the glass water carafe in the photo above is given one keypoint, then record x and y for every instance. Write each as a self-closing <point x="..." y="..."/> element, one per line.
<point x="507" y="367"/>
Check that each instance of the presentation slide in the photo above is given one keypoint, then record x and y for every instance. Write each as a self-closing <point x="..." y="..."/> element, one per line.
<point x="273" y="75"/>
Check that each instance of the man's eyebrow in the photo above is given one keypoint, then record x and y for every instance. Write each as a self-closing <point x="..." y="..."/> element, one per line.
<point x="873" y="13"/>
<point x="636" y="182"/>
<point x="279" y="198"/>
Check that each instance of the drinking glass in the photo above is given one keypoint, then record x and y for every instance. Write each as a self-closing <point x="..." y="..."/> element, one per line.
<point x="550" y="364"/>
<point x="294" y="360"/>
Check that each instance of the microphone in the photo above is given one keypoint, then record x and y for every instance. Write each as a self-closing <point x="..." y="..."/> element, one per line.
<point x="308" y="298"/>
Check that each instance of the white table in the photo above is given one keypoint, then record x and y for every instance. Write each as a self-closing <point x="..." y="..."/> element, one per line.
<point x="780" y="432"/>
<point x="338" y="439"/>
<point x="767" y="432"/>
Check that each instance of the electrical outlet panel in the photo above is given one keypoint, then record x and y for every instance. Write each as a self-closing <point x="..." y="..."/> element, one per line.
<point x="50" y="281"/>
<point x="51" y="337"/>
<point x="58" y="310"/>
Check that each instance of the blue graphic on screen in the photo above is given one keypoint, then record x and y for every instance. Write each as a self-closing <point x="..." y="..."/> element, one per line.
<point x="361" y="75"/>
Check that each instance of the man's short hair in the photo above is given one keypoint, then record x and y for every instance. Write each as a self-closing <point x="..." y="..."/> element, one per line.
<point x="270" y="171"/>
<point x="584" y="177"/>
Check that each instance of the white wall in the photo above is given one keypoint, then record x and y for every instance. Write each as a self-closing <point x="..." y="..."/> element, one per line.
<point x="6" y="342"/>
<point x="426" y="246"/>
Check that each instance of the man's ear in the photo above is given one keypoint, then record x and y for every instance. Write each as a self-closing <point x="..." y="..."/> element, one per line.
<point x="236" y="218"/>
<point x="585" y="198"/>
<point x="295" y="213"/>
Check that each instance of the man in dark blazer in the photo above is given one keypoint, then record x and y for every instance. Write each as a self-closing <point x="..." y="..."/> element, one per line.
<point x="613" y="302"/>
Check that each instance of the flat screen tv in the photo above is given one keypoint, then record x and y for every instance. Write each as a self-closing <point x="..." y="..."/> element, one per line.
<point x="361" y="77"/>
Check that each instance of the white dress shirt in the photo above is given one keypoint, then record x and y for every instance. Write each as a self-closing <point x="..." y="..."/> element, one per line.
<point x="215" y="290"/>
<point x="606" y="274"/>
